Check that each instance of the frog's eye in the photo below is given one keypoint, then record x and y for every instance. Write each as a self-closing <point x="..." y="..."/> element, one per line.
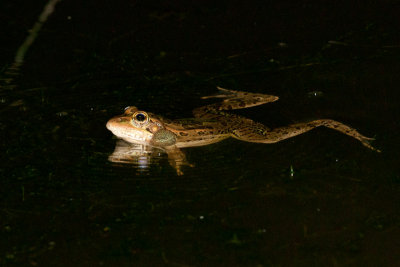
<point x="140" y="117"/>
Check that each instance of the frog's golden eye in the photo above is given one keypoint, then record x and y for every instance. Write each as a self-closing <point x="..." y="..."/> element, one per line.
<point x="140" y="117"/>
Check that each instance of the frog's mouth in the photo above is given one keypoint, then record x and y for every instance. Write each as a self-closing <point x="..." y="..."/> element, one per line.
<point x="128" y="132"/>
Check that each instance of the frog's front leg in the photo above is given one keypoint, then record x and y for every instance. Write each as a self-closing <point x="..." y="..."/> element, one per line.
<point x="167" y="140"/>
<point x="261" y="134"/>
<point x="177" y="158"/>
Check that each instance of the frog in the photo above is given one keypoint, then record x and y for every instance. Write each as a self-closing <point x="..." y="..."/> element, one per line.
<point x="210" y="124"/>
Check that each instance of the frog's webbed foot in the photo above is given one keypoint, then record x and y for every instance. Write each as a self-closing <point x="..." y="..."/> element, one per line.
<point x="369" y="138"/>
<point x="224" y="93"/>
<point x="177" y="159"/>
<point x="366" y="141"/>
<point x="347" y="130"/>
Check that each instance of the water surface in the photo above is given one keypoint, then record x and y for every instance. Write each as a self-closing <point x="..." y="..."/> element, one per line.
<point x="320" y="199"/>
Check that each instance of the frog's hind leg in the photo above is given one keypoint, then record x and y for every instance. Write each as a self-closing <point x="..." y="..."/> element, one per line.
<point x="282" y="133"/>
<point x="241" y="99"/>
<point x="234" y="100"/>
<point x="247" y="99"/>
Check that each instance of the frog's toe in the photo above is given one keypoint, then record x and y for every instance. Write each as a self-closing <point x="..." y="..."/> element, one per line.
<point x="367" y="142"/>
<point x="369" y="138"/>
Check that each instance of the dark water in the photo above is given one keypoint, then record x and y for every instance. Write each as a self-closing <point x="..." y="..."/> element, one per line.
<point x="62" y="203"/>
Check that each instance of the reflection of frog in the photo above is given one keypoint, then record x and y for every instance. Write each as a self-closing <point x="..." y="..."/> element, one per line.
<point x="212" y="124"/>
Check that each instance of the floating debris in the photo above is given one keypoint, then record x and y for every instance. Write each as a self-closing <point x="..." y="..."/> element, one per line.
<point x="314" y="94"/>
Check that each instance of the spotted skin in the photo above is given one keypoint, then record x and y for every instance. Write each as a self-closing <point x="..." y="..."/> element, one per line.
<point x="247" y="130"/>
<point x="267" y="136"/>
<point x="212" y="123"/>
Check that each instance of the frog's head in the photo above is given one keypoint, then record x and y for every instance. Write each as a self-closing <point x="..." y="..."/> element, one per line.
<point x="139" y="127"/>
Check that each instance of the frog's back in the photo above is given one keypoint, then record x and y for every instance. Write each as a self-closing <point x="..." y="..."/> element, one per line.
<point x="198" y="132"/>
